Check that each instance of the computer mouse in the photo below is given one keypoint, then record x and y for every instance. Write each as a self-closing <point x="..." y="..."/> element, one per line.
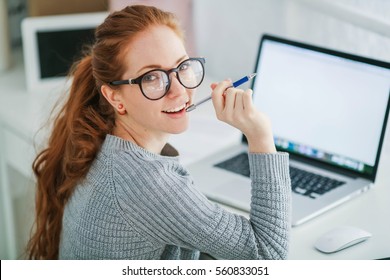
<point x="340" y="238"/>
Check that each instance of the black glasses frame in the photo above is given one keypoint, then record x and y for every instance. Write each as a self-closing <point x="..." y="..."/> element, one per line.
<point x="138" y="80"/>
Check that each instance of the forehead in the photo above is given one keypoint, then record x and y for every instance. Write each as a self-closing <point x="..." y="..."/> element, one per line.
<point x="157" y="45"/>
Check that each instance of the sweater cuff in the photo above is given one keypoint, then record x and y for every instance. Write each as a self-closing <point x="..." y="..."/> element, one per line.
<point x="269" y="167"/>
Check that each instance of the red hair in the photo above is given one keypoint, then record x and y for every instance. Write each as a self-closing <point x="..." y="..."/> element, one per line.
<point x="82" y="123"/>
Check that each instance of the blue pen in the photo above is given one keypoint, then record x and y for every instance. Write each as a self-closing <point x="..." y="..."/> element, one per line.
<point x="235" y="84"/>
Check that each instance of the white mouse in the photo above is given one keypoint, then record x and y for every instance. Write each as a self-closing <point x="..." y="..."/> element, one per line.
<point x="340" y="238"/>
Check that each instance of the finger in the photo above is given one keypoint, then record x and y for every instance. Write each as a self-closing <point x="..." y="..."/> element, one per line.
<point x="230" y="100"/>
<point x="213" y="86"/>
<point x="217" y="95"/>
<point x="222" y="86"/>
<point x="247" y="99"/>
<point x="239" y="105"/>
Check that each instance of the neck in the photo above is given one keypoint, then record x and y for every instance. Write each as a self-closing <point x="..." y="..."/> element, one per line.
<point x="145" y="140"/>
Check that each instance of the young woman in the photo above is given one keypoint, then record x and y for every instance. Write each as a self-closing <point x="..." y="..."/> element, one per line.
<point x="109" y="185"/>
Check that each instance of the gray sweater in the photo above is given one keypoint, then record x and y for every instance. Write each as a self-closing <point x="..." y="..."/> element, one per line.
<point x="134" y="204"/>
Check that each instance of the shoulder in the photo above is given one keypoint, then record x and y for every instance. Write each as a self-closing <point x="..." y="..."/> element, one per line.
<point x="150" y="169"/>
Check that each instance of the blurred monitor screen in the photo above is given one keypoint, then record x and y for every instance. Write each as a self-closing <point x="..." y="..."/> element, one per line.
<point x="52" y="43"/>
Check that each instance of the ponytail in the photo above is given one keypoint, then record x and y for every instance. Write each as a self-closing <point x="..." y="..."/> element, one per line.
<point x="78" y="132"/>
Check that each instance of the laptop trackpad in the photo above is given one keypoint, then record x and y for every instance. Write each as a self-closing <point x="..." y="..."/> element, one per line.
<point x="236" y="193"/>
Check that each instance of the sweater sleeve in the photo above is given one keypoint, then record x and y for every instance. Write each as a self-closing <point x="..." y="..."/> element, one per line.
<point x="160" y="201"/>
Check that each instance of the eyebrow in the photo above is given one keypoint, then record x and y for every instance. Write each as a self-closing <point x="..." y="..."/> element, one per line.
<point x="153" y="66"/>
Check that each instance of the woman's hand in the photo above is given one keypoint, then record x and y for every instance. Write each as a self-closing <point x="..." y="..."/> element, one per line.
<point x="235" y="107"/>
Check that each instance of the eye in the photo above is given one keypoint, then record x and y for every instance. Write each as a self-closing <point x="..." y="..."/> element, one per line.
<point x="185" y="65"/>
<point x="151" y="77"/>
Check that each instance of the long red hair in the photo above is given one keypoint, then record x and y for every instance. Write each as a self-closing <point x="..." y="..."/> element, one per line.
<point x="82" y="123"/>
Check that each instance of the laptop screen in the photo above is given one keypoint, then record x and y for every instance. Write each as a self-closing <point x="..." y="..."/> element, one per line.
<point x="59" y="48"/>
<point x="324" y="105"/>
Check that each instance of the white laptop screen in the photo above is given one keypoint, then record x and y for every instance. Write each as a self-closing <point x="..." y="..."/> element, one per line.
<point x="323" y="105"/>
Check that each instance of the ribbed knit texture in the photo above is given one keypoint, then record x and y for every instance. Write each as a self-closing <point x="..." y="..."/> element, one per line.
<point x="134" y="204"/>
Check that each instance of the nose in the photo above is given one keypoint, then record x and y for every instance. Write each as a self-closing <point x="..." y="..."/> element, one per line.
<point x="176" y="88"/>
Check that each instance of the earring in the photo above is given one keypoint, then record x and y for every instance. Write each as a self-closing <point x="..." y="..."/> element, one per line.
<point x="120" y="107"/>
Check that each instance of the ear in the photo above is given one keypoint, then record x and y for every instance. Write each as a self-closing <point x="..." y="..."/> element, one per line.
<point x="112" y="96"/>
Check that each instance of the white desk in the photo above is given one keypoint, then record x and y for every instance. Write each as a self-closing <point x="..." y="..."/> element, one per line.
<point x="21" y="114"/>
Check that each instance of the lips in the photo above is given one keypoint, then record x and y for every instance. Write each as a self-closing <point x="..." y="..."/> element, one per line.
<point x="176" y="109"/>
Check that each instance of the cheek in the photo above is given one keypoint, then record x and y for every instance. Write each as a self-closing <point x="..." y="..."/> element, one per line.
<point x="142" y="109"/>
<point x="135" y="101"/>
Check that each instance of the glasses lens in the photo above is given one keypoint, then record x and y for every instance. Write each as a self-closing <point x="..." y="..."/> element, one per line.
<point x="154" y="84"/>
<point x="191" y="73"/>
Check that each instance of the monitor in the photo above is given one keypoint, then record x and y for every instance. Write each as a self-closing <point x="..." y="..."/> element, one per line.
<point x="325" y="106"/>
<point x="52" y="43"/>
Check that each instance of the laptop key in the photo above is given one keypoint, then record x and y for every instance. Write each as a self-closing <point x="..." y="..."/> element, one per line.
<point x="310" y="184"/>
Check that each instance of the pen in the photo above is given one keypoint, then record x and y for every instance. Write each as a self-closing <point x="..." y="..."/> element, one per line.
<point x="235" y="84"/>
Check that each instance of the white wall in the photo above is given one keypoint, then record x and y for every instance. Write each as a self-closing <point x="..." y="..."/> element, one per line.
<point x="228" y="31"/>
<point x="358" y="26"/>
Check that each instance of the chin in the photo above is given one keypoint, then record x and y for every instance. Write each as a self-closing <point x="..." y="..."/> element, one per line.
<point x="178" y="128"/>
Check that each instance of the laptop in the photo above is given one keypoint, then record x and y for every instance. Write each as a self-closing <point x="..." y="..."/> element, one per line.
<point x="328" y="110"/>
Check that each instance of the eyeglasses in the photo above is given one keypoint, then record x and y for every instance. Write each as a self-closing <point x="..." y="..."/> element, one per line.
<point x="155" y="83"/>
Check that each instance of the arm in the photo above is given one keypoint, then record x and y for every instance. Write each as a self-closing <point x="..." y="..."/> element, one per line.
<point x="165" y="207"/>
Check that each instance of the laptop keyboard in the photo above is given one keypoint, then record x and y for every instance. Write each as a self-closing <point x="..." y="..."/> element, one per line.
<point x="302" y="182"/>
<point x="310" y="184"/>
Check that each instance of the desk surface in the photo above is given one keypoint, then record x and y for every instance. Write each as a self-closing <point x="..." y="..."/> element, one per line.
<point x="23" y="113"/>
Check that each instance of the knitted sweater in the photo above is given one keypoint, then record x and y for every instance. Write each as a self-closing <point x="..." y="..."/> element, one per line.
<point x="134" y="204"/>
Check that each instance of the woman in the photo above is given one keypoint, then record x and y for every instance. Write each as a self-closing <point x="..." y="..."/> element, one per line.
<point x="109" y="185"/>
